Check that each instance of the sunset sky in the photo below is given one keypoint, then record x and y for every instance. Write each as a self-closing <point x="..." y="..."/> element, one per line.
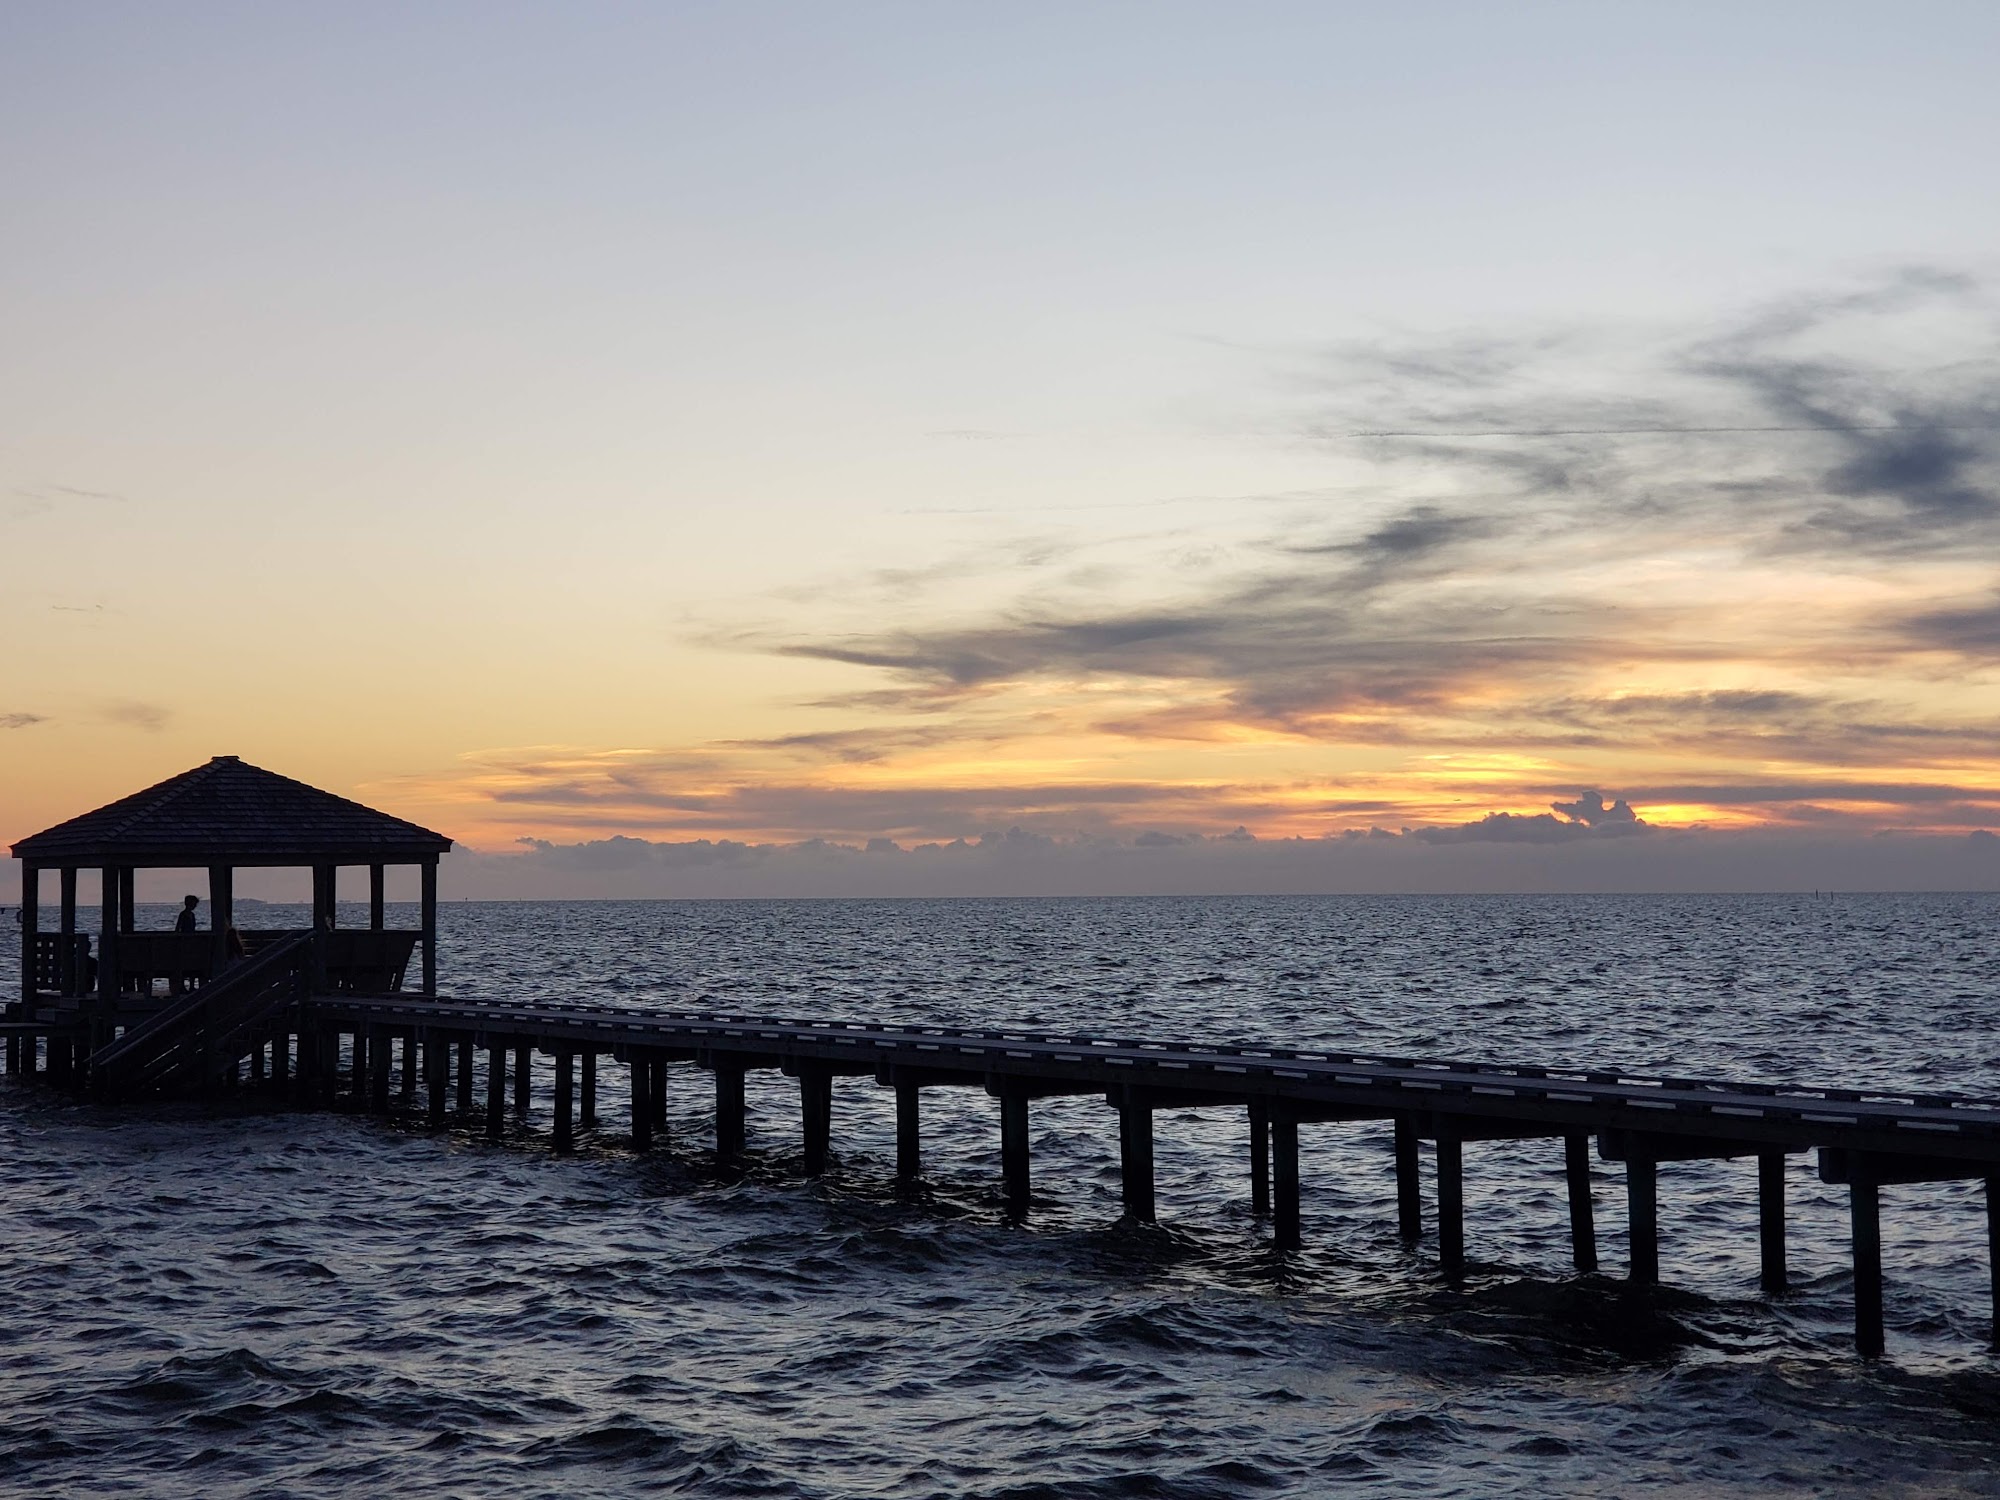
<point x="1262" y="446"/>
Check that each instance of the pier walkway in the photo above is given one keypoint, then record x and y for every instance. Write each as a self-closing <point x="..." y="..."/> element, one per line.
<point x="325" y="1046"/>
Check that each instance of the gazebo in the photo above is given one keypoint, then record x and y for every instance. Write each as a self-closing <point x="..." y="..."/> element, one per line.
<point x="223" y="816"/>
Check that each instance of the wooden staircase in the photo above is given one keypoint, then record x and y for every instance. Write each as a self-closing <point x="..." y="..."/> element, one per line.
<point x="193" y="1044"/>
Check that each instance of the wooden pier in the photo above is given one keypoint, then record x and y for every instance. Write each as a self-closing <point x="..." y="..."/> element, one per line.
<point x="320" y="1016"/>
<point x="342" y="1049"/>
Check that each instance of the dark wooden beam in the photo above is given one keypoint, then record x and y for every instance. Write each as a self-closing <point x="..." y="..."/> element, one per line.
<point x="909" y="1149"/>
<point x="1771" y="1220"/>
<point x="1582" y="1212"/>
<point x="1135" y="1154"/>
<point x="1409" y="1190"/>
<point x="1014" y="1149"/>
<point x="816" y="1112"/>
<point x="565" y="1098"/>
<point x="1260" y="1158"/>
<point x="429" y="923"/>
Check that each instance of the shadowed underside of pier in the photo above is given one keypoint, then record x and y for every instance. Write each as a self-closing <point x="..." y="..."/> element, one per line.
<point x="1865" y="1139"/>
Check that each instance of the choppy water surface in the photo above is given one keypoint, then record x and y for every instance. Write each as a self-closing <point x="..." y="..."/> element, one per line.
<point x="252" y="1301"/>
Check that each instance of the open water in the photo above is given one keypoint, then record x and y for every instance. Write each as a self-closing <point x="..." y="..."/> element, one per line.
<point x="250" y="1301"/>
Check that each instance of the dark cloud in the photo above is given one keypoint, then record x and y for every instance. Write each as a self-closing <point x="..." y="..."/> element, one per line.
<point x="1970" y="630"/>
<point x="1587" y="817"/>
<point x="21" y="720"/>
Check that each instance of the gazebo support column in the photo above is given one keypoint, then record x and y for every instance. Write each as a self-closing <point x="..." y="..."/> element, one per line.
<point x="430" y="924"/>
<point x="107" y="941"/>
<point x="221" y="912"/>
<point x="31" y="922"/>
<point x="377" y="902"/>
<point x="323" y="897"/>
<point x="128" y="899"/>
<point x="68" y="976"/>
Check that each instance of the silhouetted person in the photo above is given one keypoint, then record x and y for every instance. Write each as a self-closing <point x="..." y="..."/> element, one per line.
<point x="233" y="944"/>
<point x="186" y="979"/>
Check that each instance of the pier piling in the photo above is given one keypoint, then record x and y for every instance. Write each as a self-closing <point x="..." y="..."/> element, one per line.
<point x="1771" y="1220"/>
<point x="1409" y="1190"/>
<point x="1285" y="1225"/>
<point x="1014" y="1151"/>
<point x="1451" y="1201"/>
<point x="378" y="1074"/>
<point x="465" y="1050"/>
<point x="565" y="1098"/>
<point x="1260" y="1159"/>
<point x="642" y="1102"/>
<point x="587" y="1101"/>
<point x="1135" y="1154"/>
<point x="1642" y="1213"/>
<point x="437" y="1070"/>
<point x="524" y="1072"/>
<point x="731" y="1127"/>
<point x="656" y="1090"/>
<point x="816" y="1112"/>
<point x="496" y="1091"/>
<point x="909" y="1142"/>
<point x="1582" y="1217"/>
<point x="1864" y="1204"/>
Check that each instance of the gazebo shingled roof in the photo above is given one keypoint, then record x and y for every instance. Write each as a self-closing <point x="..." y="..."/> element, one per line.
<point x="228" y="812"/>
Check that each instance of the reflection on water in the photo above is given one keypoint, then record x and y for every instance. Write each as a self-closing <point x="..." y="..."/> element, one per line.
<point x="256" y="1302"/>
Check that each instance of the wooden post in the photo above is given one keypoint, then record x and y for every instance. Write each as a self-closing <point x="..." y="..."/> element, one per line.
<point x="1260" y="1159"/>
<point x="731" y="1131"/>
<point x="1451" y="1200"/>
<point x="1014" y="1150"/>
<point x="656" y="1091"/>
<point x="31" y="922"/>
<point x="816" y="1110"/>
<point x="1771" y="1219"/>
<point x="465" y="1050"/>
<point x="107" y="937"/>
<point x="1865" y="1213"/>
<point x="68" y="980"/>
<point x="909" y="1147"/>
<point x="128" y="899"/>
<point x="524" y="1063"/>
<point x="1285" y="1215"/>
<point x="323" y="897"/>
<point x="281" y="1046"/>
<point x="1409" y="1186"/>
<point x="221" y="914"/>
<point x="378" y="1068"/>
<point x="1582" y="1213"/>
<point x="1135" y="1155"/>
<point x="409" y="1063"/>
<point x="1993" y="1248"/>
<point x="496" y="1090"/>
<point x="358" y="1058"/>
<point x="430" y="924"/>
<point x="642" y="1102"/>
<point x="257" y="1063"/>
<point x="1642" y="1212"/>
<point x="588" y="1103"/>
<point x="377" y="903"/>
<point x="565" y="1090"/>
<point x="437" y="1073"/>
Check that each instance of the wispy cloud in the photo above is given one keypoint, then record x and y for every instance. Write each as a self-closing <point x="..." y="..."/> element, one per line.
<point x="131" y="714"/>
<point x="21" y="720"/>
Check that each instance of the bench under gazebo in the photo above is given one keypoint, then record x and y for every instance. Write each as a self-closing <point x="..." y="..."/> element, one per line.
<point x="220" y="817"/>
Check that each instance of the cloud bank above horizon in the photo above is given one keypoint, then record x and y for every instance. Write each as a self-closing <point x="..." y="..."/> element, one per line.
<point x="1582" y="583"/>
